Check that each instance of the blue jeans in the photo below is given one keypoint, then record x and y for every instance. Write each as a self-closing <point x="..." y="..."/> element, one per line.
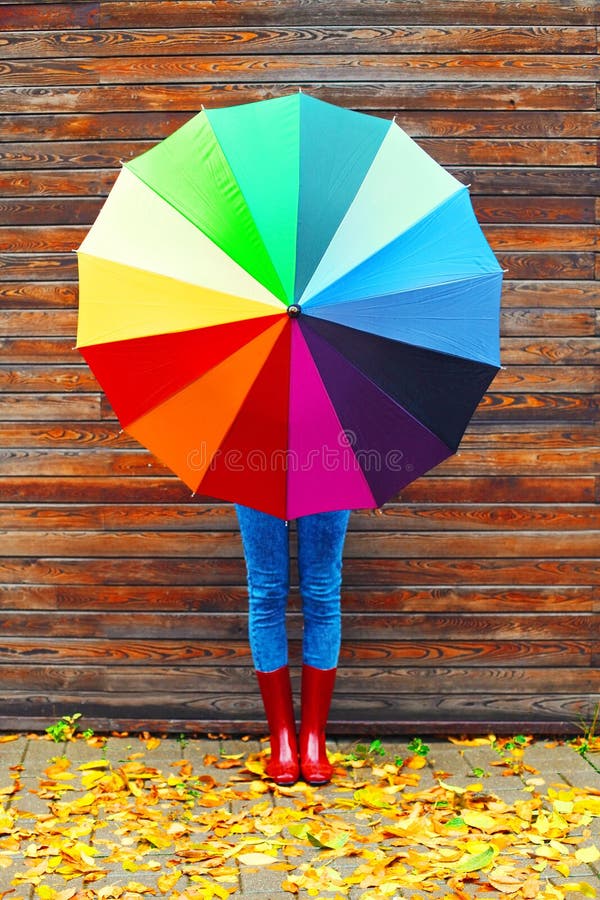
<point x="266" y="549"/>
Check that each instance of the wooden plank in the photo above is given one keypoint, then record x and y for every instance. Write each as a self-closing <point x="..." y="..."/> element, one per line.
<point x="39" y="322"/>
<point x="39" y="295"/>
<point x="537" y="321"/>
<point x="479" y="436"/>
<point x="291" y="70"/>
<point x="511" y="408"/>
<point x="77" y="379"/>
<point x="103" y="462"/>
<point x="546" y="265"/>
<point x="83" y="211"/>
<point x="576" y="351"/>
<point x="63" y="154"/>
<point x="357" y="572"/>
<point x="56" y="15"/>
<point x="489" y="209"/>
<point x="65" y="434"/>
<point x="49" y="408"/>
<point x="46" y="238"/>
<point x="521" y="379"/>
<point x="451" y="123"/>
<point x="238" y="680"/>
<point x="460" y="600"/>
<point x="447" y="151"/>
<point x="524" y="295"/>
<point x="514" y="351"/>
<point x="489" y="152"/>
<point x="215" y="712"/>
<point x="550" y="294"/>
<point x="48" y="182"/>
<point x="510" y="209"/>
<point x="325" y="38"/>
<point x="430" y="488"/>
<point x="531" y="182"/>
<point x="500" y="237"/>
<point x="359" y="545"/>
<point x="42" y="349"/>
<point x="523" y="434"/>
<point x="357" y="626"/>
<point x="564" y="181"/>
<point x="553" y="379"/>
<point x="120" y="652"/>
<point x="475" y="95"/>
<point x="578" y="265"/>
<point x="64" y="238"/>
<point x="45" y="266"/>
<point x="152" y="125"/>
<point x="188" y="13"/>
<point x="515" y="321"/>
<point x="408" y="725"/>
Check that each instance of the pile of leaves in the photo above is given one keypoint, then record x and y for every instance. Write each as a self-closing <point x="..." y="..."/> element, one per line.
<point x="387" y="828"/>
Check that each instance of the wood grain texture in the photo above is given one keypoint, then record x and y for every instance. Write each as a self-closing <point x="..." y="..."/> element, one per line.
<point x="292" y="70"/>
<point x="471" y="600"/>
<point x="371" y="96"/>
<point x="291" y="39"/>
<point x="418" y="123"/>
<point x="190" y="12"/>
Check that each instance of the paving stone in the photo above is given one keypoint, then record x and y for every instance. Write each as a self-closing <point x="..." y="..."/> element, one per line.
<point x="29" y="802"/>
<point x="11" y="754"/>
<point x="39" y="753"/>
<point x="262" y="879"/>
<point x="6" y="876"/>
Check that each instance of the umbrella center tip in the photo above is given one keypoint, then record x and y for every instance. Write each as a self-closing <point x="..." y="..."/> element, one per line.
<point x="293" y="311"/>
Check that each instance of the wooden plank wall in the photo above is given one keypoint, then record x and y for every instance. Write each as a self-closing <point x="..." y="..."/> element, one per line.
<point x="471" y="602"/>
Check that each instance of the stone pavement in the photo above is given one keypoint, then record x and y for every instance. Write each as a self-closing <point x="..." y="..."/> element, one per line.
<point x="132" y="817"/>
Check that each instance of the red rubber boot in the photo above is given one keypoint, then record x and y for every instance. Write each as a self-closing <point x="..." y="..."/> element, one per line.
<point x="276" y="692"/>
<point x="317" y="688"/>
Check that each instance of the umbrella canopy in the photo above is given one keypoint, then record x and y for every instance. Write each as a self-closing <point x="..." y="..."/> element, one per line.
<point x="291" y="305"/>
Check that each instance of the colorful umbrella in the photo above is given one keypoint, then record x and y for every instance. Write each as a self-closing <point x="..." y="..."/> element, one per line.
<point x="291" y="305"/>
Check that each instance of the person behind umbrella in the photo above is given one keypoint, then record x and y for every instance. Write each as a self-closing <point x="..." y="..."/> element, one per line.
<point x="266" y="550"/>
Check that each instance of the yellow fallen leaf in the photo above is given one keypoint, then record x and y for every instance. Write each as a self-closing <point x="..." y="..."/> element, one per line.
<point x="581" y="887"/>
<point x="328" y="840"/>
<point x="372" y="797"/>
<point x="257" y="767"/>
<point x="45" y="893"/>
<point x="94" y="764"/>
<point x="152" y="743"/>
<point x="475" y="861"/>
<point x="5" y="738"/>
<point x="166" y="882"/>
<point x="587" y="854"/>
<point x="508" y="880"/>
<point x="477" y="819"/>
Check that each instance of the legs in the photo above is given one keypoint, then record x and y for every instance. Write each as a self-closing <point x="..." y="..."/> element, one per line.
<point x="265" y="540"/>
<point x="320" y="545"/>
